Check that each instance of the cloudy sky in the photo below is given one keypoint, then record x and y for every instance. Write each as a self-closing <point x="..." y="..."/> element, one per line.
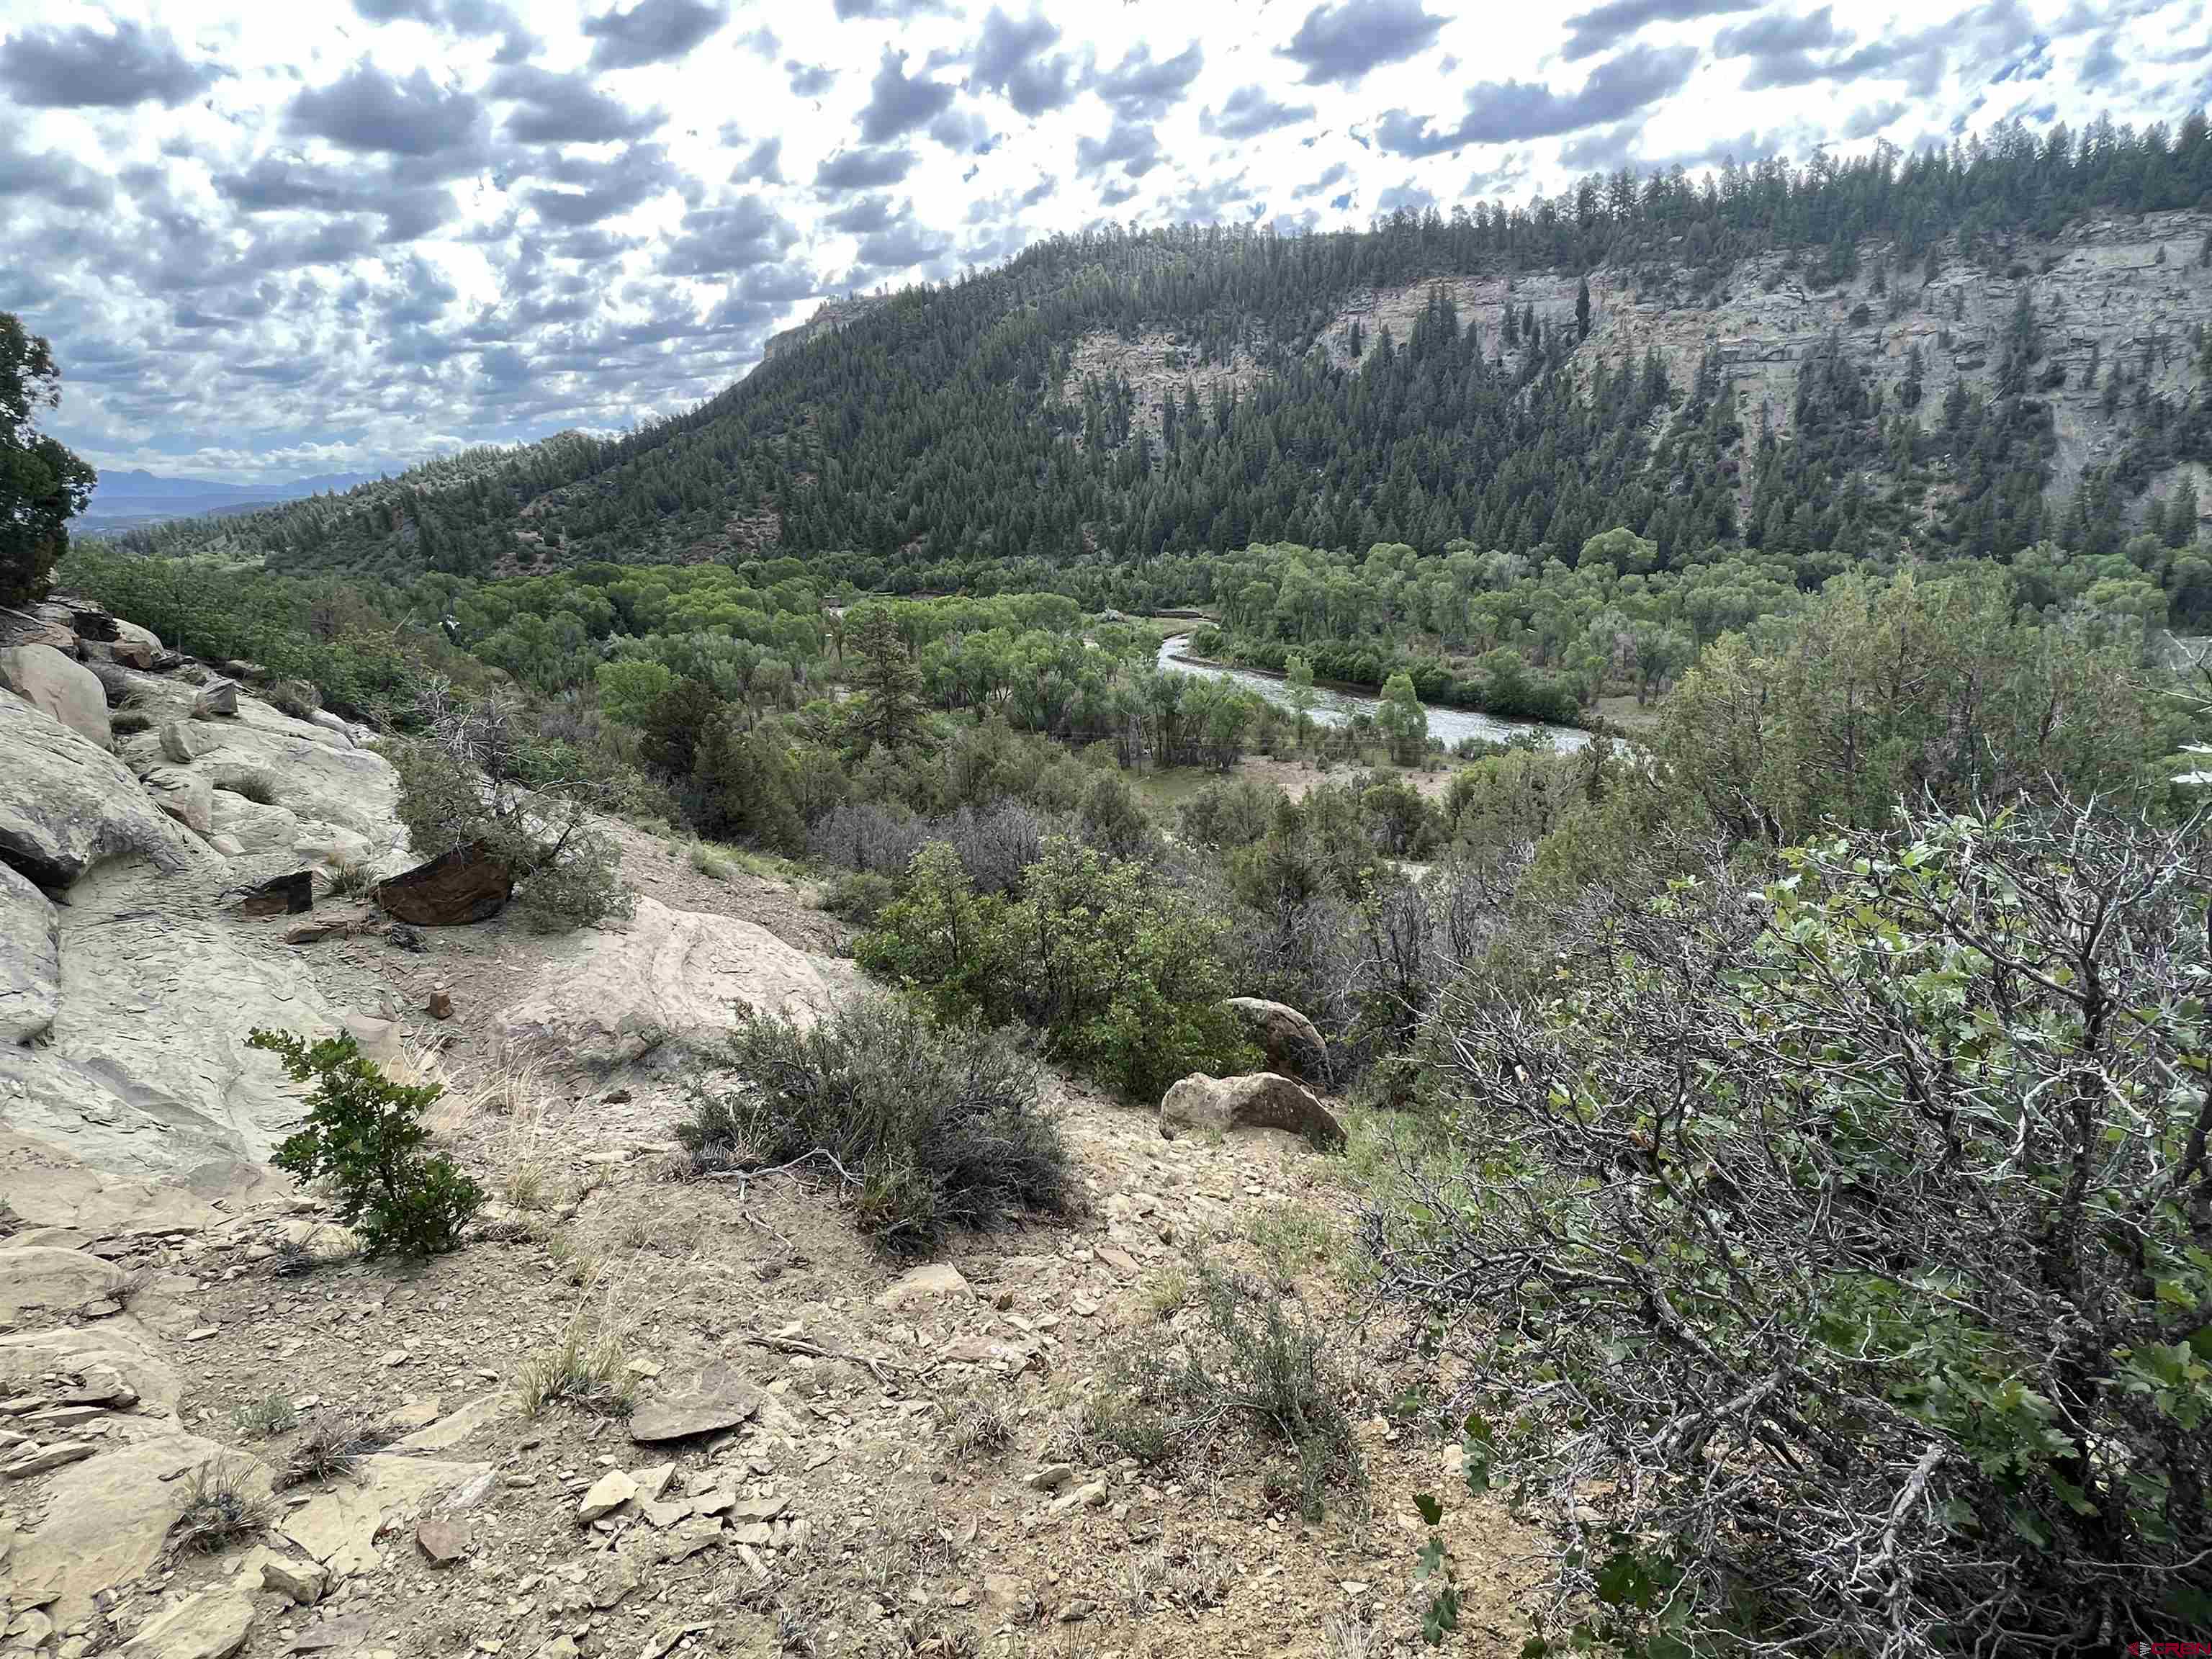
<point x="326" y="235"/>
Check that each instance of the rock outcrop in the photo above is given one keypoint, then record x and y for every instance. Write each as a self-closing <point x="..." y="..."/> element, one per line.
<point x="1261" y="1100"/>
<point x="668" y="978"/>
<point x="1286" y="1037"/>
<point x="145" y="1073"/>
<point x="66" y="803"/>
<point x="42" y="1284"/>
<point x="30" y="960"/>
<point x="56" y="686"/>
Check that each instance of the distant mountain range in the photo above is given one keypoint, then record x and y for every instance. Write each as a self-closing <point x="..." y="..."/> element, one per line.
<point x="126" y="497"/>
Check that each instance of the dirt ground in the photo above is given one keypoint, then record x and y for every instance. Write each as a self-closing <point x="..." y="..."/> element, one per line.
<point x="884" y="1531"/>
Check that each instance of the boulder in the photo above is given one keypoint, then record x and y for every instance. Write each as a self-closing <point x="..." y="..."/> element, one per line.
<point x="35" y="627"/>
<point x="30" y="960"/>
<point x="720" y="1397"/>
<point x="187" y="796"/>
<point x="217" y="699"/>
<point x="65" y="691"/>
<point x="1286" y="1037"/>
<point x="467" y="884"/>
<point x="67" y="803"/>
<point x="131" y="654"/>
<point x="288" y="895"/>
<point x="212" y="1624"/>
<point x="40" y="1284"/>
<point x="668" y="979"/>
<point x="106" y="1521"/>
<point x="175" y="737"/>
<point x="1262" y="1100"/>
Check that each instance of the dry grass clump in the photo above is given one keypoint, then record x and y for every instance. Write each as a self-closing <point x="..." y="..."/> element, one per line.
<point x="587" y="1367"/>
<point x="223" y="1506"/>
<point x="332" y="1444"/>
<point x="257" y="784"/>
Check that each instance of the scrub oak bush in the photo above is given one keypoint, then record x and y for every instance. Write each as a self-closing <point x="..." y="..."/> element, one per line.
<point x="1831" y="1258"/>
<point x="364" y="1135"/>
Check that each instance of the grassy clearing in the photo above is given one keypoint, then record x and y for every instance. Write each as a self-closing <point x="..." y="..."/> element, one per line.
<point x="1293" y="1238"/>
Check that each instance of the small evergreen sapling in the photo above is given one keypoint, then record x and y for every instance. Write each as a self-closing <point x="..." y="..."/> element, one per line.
<point x="364" y="1133"/>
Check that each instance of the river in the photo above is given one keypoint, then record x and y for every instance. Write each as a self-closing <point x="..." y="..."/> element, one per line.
<point x="1333" y="706"/>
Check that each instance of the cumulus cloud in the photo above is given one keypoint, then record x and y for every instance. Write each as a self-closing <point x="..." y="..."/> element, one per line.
<point x="367" y="110"/>
<point x="565" y="109"/>
<point x="899" y="103"/>
<point x="1015" y="59"/>
<point x="1603" y="27"/>
<point x="1504" y="112"/>
<point x="1251" y="111"/>
<point x="1342" y="42"/>
<point x="862" y="169"/>
<point x="90" y="69"/>
<point x="1142" y="90"/>
<point x="650" y="31"/>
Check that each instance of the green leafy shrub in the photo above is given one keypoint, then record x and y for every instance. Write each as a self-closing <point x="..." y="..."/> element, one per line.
<point x="1121" y="970"/>
<point x="364" y="1135"/>
<point x="924" y="1128"/>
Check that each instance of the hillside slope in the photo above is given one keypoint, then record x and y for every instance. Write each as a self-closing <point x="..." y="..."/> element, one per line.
<point x="1972" y="351"/>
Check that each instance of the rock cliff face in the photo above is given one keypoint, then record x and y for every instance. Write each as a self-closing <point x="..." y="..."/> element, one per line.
<point x="831" y="314"/>
<point x="2110" y="292"/>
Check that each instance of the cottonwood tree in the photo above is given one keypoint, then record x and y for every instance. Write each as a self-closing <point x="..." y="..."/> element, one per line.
<point x="1830" y="1263"/>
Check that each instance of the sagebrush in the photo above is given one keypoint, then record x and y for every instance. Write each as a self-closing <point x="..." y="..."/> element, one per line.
<point x="926" y="1128"/>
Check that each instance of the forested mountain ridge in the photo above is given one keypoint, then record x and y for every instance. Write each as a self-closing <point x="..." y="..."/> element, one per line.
<point x="1967" y="350"/>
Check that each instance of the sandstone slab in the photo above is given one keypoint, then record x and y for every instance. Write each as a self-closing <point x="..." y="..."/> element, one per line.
<point x="146" y="1070"/>
<point x="212" y="1624"/>
<point x="338" y="1526"/>
<point x="42" y="1284"/>
<point x="668" y="979"/>
<point x="107" y="1520"/>
<point x="30" y="960"/>
<point x="720" y="1397"/>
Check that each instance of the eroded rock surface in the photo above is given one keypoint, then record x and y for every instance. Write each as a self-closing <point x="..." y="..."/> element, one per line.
<point x="67" y="804"/>
<point x="30" y="960"/>
<point x="670" y="978"/>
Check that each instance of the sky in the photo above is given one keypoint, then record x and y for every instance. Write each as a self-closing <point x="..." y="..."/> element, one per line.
<point x="269" y="239"/>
